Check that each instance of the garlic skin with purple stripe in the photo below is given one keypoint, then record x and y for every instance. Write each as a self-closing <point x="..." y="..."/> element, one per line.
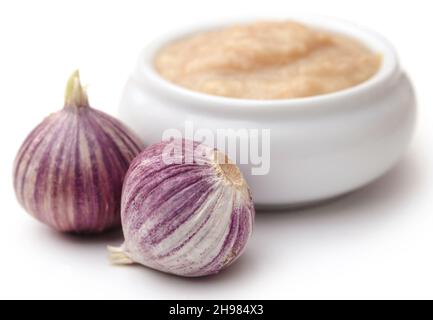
<point x="189" y="218"/>
<point x="69" y="171"/>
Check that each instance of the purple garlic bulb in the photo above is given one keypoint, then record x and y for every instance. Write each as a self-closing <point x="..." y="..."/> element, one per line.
<point x="69" y="171"/>
<point x="182" y="214"/>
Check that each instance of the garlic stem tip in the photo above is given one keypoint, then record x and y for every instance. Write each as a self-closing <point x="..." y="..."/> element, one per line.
<point x="118" y="256"/>
<point x="75" y="94"/>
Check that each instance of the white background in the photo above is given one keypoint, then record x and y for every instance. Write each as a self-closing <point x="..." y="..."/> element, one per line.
<point x="374" y="243"/>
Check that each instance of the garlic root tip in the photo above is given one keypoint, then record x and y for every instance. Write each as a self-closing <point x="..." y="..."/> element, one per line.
<point x="118" y="256"/>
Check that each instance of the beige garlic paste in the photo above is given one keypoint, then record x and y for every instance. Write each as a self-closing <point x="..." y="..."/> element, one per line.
<point x="267" y="60"/>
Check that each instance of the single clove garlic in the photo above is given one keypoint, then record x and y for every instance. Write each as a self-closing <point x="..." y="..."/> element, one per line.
<point x="69" y="171"/>
<point x="188" y="218"/>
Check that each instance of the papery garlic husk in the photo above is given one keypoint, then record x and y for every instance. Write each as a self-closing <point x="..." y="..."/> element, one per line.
<point x="185" y="218"/>
<point x="70" y="169"/>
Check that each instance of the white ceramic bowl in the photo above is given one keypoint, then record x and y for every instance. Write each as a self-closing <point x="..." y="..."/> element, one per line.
<point x="321" y="146"/>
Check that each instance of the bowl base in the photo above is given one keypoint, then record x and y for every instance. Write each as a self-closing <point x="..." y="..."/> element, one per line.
<point x="297" y="205"/>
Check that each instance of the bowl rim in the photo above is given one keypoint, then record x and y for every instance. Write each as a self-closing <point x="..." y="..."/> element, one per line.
<point x="389" y="70"/>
